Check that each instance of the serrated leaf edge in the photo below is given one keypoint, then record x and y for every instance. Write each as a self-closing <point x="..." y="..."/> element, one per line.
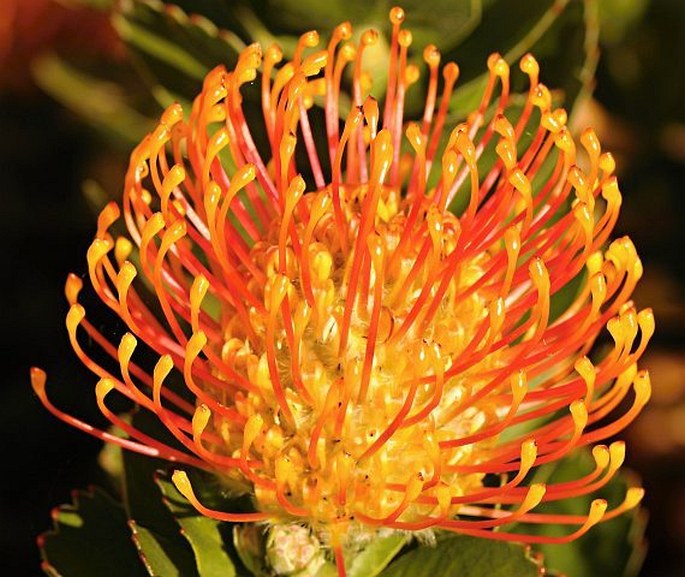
<point x="76" y="496"/>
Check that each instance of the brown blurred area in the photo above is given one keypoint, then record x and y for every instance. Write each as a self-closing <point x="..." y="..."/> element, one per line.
<point x="638" y="109"/>
<point x="29" y="28"/>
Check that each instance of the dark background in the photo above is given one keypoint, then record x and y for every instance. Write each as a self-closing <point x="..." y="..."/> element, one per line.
<point x="46" y="226"/>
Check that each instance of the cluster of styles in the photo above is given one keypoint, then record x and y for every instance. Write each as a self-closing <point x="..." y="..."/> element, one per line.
<point x="359" y="356"/>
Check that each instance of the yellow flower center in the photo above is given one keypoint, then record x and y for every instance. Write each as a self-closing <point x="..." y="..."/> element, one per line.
<point x="349" y="410"/>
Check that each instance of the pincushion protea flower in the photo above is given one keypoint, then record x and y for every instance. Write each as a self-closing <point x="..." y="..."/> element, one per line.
<point x="360" y="357"/>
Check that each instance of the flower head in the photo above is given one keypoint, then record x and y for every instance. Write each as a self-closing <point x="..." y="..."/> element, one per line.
<point x="361" y="357"/>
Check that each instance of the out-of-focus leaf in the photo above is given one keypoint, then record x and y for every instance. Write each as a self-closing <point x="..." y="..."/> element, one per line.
<point x="565" y="296"/>
<point x="90" y="538"/>
<point x="203" y="533"/>
<point x="445" y="23"/>
<point x="615" y="547"/>
<point x="550" y="22"/>
<point x="499" y="32"/>
<point x="547" y="22"/>
<point x="618" y="16"/>
<point x="464" y="556"/>
<point x="223" y="13"/>
<point x="97" y="197"/>
<point x="562" y="35"/>
<point x="327" y="570"/>
<point x="257" y="31"/>
<point x="111" y="459"/>
<point x="175" y="50"/>
<point x="300" y="15"/>
<point x="94" y="4"/>
<point x="101" y="103"/>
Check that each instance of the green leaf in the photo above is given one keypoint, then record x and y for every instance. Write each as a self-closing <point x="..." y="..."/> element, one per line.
<point x="511" y="37"/>
<point x="376" y="556"/>
<point x="224" y="13"/>
<point x="613" y="548"/>
<point x="175" y="50"/>
<point x="327" y="570"/>
<point x="106" y="108"/>
<point x="156" y="533"/>
<point x="203" y="533"/>
<point x="155" y="551"/>
<point x="547" y="24"/>
<point x="566" y="295"/>
<point x="562" y="35"/>
<point x="618" y="17"/>
<point x="92" y="4"/>
<point x="446" y="23"/>
<point x="462" y="556"/>
<point x="297" y="16"/>
<point x="89" y="538"/>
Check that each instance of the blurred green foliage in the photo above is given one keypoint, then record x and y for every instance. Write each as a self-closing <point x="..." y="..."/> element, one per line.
<point x="172" y="46"/>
